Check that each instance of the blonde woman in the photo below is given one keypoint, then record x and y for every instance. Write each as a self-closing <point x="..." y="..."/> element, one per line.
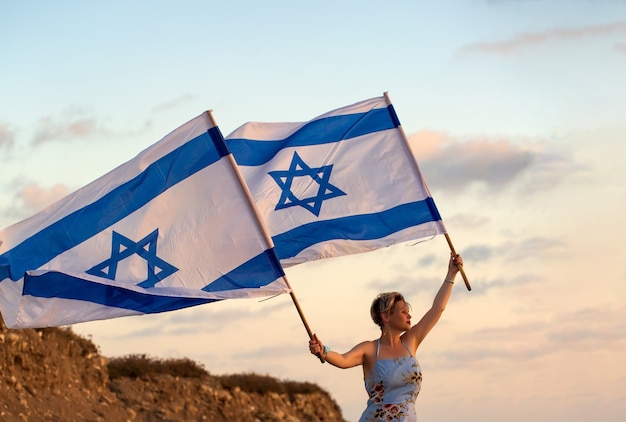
<point x="391" y="371"/>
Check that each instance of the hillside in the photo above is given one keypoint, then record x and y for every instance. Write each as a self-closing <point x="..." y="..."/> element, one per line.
<point x="53" y="374"/>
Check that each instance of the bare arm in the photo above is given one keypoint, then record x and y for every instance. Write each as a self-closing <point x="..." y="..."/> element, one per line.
<point x="354" y="357"/>
<point x="418" y="332"/>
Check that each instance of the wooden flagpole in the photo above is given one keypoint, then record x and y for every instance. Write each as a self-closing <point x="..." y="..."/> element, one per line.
<point x="266" y="235"/>
<point x="417" y="169"/>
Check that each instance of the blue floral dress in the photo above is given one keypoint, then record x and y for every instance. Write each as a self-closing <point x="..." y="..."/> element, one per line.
<point x="392" y="386"/>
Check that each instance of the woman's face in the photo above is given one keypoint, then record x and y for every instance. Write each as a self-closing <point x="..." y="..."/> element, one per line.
<point x="400" y="316"/>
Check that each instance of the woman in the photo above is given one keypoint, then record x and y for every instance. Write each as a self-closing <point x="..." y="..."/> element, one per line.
<point x="391" y="371"/>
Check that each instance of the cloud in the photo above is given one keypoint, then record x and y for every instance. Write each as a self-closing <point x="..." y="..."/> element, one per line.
<point x="532" y="39"/>
<point x="214" y="318"/>
<point x="494" y="162"/>
<point x="532" y="248"/>
<point x="620" y="47"/>
<point x="518" y="249"/>
<point x="265" y="352"/>
<point x="415" y="284"/>
<point x="527" y="339"/>
<point x="427" y="260"/>
<point x="453" y="164"/>
<point x="77" y="123"/>
<point x="516" y="255"/>
<point x="7" y="137"/>
<point x="587" y="327"/>
<point x="175" y="103"/>
<point x="483" y="286"/>
<point x="477" y="253"/>
<point x="30" y="198"/>
<point x="467" y="220"/>
<point x="549" y="168"/>
<point x="35" y="198"/>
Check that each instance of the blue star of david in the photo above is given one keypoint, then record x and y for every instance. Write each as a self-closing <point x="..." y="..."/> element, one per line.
<point x="122" y="247"/>
<point x="298" y="168"/>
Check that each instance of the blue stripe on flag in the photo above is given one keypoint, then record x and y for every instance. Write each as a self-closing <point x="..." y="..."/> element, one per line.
<point x="54" y="284"/>
<point x="394" y="116"/>
<point x="327" y="130"/>
<point x="116" y="205"/>
<point x="264" y="266"/>
<point x="57" y="285"/>
<point x="218" y="141"/>
<point x="355" y="227"/>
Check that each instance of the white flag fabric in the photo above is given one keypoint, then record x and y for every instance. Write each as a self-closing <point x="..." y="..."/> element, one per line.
<point x="171" y="228"/>
<point x="342" y="183"/>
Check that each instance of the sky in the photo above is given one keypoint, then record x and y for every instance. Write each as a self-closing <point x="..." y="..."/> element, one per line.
<point x="515" y="111"/>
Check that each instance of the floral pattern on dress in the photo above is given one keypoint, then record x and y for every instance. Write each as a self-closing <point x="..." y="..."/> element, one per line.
<point x="405" y="375"/>
<point x="378" y="393"/>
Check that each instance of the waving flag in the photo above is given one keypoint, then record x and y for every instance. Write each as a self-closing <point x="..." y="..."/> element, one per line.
<point x="342" y="183"/>
<point x="172" y="228"/>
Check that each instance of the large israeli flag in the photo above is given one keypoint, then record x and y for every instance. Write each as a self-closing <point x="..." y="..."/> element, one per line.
<point x="342" y="183"/>
<point x="172" y="228"/>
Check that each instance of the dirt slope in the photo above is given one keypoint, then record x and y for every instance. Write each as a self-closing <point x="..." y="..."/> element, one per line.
<point x="52" y="374"/>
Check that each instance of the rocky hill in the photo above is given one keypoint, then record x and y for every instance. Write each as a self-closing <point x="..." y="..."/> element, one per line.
<point x="53" y="374"/>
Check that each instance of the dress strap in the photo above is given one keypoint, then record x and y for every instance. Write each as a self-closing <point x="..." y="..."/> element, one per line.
<point x="407" y="348"/>
<point x="377" y="349"/>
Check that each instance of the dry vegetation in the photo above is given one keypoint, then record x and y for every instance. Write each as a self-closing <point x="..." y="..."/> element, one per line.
<point x="53" y="374"/>
<point x="144" y="366"/>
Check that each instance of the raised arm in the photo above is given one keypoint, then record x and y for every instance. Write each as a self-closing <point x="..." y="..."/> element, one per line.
<point x="418" y="332"/>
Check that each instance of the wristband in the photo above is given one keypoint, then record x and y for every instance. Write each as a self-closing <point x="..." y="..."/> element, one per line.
<point x="326" y="350"/>
<point x="447" y="280"/>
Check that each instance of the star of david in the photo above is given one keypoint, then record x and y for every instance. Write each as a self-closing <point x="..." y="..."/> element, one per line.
<point x="122" y="247"/>
<point x="298" y="168"/>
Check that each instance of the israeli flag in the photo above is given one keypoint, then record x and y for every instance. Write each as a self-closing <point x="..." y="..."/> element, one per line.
<point x="172" y="228"/>
<point x="342" y="183"/>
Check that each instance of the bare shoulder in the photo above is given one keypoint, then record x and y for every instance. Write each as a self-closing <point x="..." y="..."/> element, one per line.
<point x="411" y="338"/>
<point x="368" y="349"/>
<point x="368" y="346"/>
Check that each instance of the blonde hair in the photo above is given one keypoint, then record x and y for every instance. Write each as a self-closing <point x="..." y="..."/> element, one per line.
<point x="384" y="304"/>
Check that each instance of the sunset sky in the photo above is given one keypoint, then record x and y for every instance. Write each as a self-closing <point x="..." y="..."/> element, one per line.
<point x="516" y="113"/>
